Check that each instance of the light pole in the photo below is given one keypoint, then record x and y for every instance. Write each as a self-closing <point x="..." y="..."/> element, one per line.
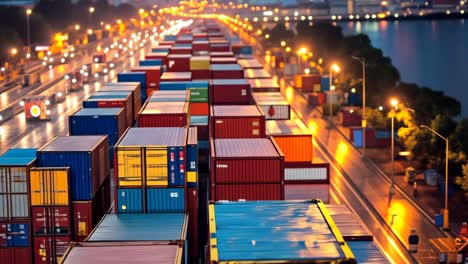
<point x="335" y="68"/>
<point x="91" y="11"/>
<point x="364" y="121"/>
<point x="28" y="13"/>
<point x="394" y="104"/>
<point x="446" y="211"/>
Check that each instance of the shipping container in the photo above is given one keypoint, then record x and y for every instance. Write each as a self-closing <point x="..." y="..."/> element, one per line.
<point x="193" y="233"/>
<point x="112" y="100"/>
<point x="220" y="47"/>
<point x="163" y="114"/>
<point x="306" y="172"/>
<point x="178" y="62"/>
<point x="176" y="77"/>
<point x="223" y="60"/>
<point x="247" y="160"/>
<point x="200" y="63"/>
<point x="231" y="224"/>
<point x="256" y="74"/>
<point x="199" y="109"/>
<point x="153" y="77"/>
<point x="151" y="62"/>
<point x="161" y="48"/>
<point x="49" y="249"/>
<point x="234" y="92"/>
<point x="242" y="49"/>
<point x="133" y="87"/>
<point x="14" y="234"/>
<point x="200" y="45"/>
<point x="325" y="83"/>
<point x="51" y="220"/>
<point x="293" y="138"/>
<point x="99" y="121"/>
<point x="237" y="121"/>
<point x="122" y="252"/>
<point x="129" y="200"/>
<point x="165" y="200"/>
<point x="349" y="225"/>
<point x="316" y="99"/>
<point x="192" y="157"/>
<point x="16" y="255"/>
<point x="15" y="166"/>
<point x="139" y="77"/>
<point x="308" y="83"/>
<point x="167" y="228"/>
<point x="350" y="116"/>
<point x="224" y="54"/>
<point x="50" y="186"/>
<point x="169" y="96"/>
<point x="264" y="86"/>
<point x="180" y="50"/>
<point x="246" y="191"/>
<point x="162" y="55"/>
<point x="250" y="64"/>
<point x="145" y="159"/>
<point x="201" y="74"/>
<point x="307" y="192"/>
<point x="227" y="71"/>
<point x="199" y="95"/>
<point x="273" y="106"/>
<point x="368" y="252"/>
<point x="87" y="157"/>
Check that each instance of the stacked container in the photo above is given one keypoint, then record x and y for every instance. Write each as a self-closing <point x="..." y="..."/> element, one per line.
<point x="200" y="67"/>
<point x="264" y="86"/>
<point x="273" y="106"/>
<point x="250" y="64"/>
<point x="199" y="108"/>
<point x="176" y="77"/>
<point x="169" y="96"/>
<point x="113" y="100"/>
<point x="223" y="60"/>
<point x="305" y="181"/>
<point x="227" y="71"/>
<point x="233" y="92"/>
<point x="178" y="62"/>
<point x="161" y="55"/>
<point x="88" y="162"/>
<point x="153" y="77"/>
<point x="15" y="229"/>
<point x="139" y="77"/>
<point x="163" y="114"/>
<point x="51" y="213"/>
<point x="150" y="170"/>
<point x="133" y="87"/>
<point x="250" y="169"/>
<point x="256" y="74"/>
<point x="192" y="190"/>
<point x="236" y="121"/>
<point x="308" y="83"/>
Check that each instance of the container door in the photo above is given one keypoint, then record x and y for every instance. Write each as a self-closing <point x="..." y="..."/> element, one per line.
<point x="20" y="235"/>
<point x="129" y="201"/>
<point x="59" y="188"/>
<point x="165" y="200"/>
<point x="14" y="201"/>
<point x="129" y="167"/>
<point x="357" y="134"/>
<point x="156" y="166"/>
<point x="176" y="160"/>
<point x="37" y="184"/>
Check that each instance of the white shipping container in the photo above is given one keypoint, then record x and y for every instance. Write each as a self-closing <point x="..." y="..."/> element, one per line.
<point x="306" y="174"/>
<point x="307" y="192"/>
<point x="273" y="106"/>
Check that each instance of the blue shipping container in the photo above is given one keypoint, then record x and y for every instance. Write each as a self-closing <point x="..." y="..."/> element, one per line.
<point x="160" y="49"/>
<point x="141" y="227"/>
<point x="176" y="164"/>
<point x="87" y="157"/>
<point x="367" y="252"/>
<point x="170" y="38"/>
<point x="129" y="200"/>
<point x="152" y="62"/>
<point x="354" y="99"/>
<point x="135" y="77"/>
<point x="173" y="86"/>
<point x="325" y="83"/>
<point x="19" y="234"/>
<point x="20" y="152"/>
<point x="192" y="155"/>
<point x="198" y="120"/>
<point x="165" y="200"/>
<point x="246" y="50"/>
<point x="99" y="121"/>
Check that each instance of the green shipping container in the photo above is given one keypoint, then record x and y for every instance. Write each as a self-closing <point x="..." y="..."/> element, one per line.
<point x="198" y="95"/>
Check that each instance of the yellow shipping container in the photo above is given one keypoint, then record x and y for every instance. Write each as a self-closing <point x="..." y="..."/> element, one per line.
<point x="129" y="166"/>
<point x="192" y="177"/>
<point x="49" y="186"/>
<point x="200" y="63"/>
<point x="156" y="166"/>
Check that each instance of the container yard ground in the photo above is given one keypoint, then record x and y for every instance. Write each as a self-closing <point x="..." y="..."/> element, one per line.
<point x="429" y="198"/>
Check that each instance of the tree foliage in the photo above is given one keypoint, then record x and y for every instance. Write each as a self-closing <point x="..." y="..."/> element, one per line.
<point x="375" y="118"/>
<point x="463" y="180"/>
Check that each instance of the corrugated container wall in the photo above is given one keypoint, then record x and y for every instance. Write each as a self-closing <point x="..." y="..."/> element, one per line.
<point x="192" y="157"/>
<point x="230" y="92"/>
<point x="163" y="114"/>
<point x="112" y="100"/>
<point x="135" y="77"/>
<point x="87" y="157"/>
<point x="50" y="186"/>
<point x="228" y="121"/>
<point x="133" y="87"/>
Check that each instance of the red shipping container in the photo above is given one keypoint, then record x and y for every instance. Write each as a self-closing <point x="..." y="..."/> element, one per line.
<point x="201" y="46"/>
<point x="247" y="160"/>
<point x="236" y="92"/>
<point x="176" y="76"/>
<point x="134" y="87"/>
<point x="180" y="50"/>
<point x="200" y="35"/>
<point x="184" y="40"/>
<point x="50" y="220"/>
<point x="223" y="60"/>
<point x="236" y="121"/>
<point x="250" y="192"/>
<point x="201" y="74"/>
<point x="225" y="54"/>
<point x="370" y="136"/>
<point x="178" y="62"/>
<point x="158" y="55"/>
<point x="163" y="47"/>
<point x="15" y="255"/>
<point x="126" y="103"/>
<point x="202" y="132"/>
<point x="192" y="206"/>
<point x="227" y="71"/>
<point x="309" y="82"/>
<point x="153" y="77"/>
<point x="199" y="109"/>
<point x="350" y="117"/>
<point x="163" y="114"/>
<point x="49" y="249"/>
<point x="166" y="43"/>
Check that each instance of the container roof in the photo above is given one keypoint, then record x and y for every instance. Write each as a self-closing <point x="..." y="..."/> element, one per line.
<point x="73" y="143"/>
<point x="16" y="160"/>
<point x="20" y="152"/>
<point x="350" y="227"/>
<point x="154" y="136"/>
<point x="250" y="63"/>
<point x="256" y="73"/>
<point x="263" y="83"/>
<point x="275" y="230"/>
<point x="236" y="110"/>
<point x="136" y="84"/>
<point x="146" y="68"/>
<point x="133" y="73"/>
<point x="229" y="82"/>
<point x="164" y="108"/>
<point x="271" y="98"/>
<point x="141" y="227"/>
<point x="169" y="96"/>
<point x="98" y="111"/>
<point x="367" y="252"/>
<point x="118" y="88"/>
<point x="176" y="75"/>
<point x="245" y="147"/>
<point x="286" y="127"/>
<point x="142" y="254"/>
<point x="226" y="67"/>
<point x="192" y="138"/>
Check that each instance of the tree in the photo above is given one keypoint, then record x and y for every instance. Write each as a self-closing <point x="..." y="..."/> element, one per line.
<point x="459" y="139"/>
<point x="376" y="119"/>
<point x="463" y="180"/>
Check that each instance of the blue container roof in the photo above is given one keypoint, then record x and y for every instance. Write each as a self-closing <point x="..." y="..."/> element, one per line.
<point x="274" y="230"/>
<point x="141" y="227"/>
<point x="226" y="67"/>
<point x="154" y="136"/>
<point x="98" y="111"/>
<point x="120" y="94"/>
<point x="20" y="152"/>
<point x="18" y="157"/>
<point x="132" y="73"/>
<point x="367" y="252"/>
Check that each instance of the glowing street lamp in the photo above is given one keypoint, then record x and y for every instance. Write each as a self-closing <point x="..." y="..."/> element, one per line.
<point x="394" y="104"/>
<point x="28" y="13"/>
<point x="283" y="43"/>
<point x="77" y="27"/>
<point x="333" y="68"/>
<point x="91" y="11"/>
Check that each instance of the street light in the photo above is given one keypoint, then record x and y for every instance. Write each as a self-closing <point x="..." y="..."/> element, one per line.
<point x="364" y="121"/>
<point x="394" y="104"/>
<point x="446" y="211"/>
<point x="302" y="51"/>
<point x="91" y="11"/>
<point x="77" y="27"/>
<point x="336" y="69"/>
<point x="283" y="43"/>
<point x="28" y="13"/>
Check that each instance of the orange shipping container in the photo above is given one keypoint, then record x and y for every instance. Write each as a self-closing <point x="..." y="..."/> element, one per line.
<point x="293" y="139"/>
<point x="199" y="109"/>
